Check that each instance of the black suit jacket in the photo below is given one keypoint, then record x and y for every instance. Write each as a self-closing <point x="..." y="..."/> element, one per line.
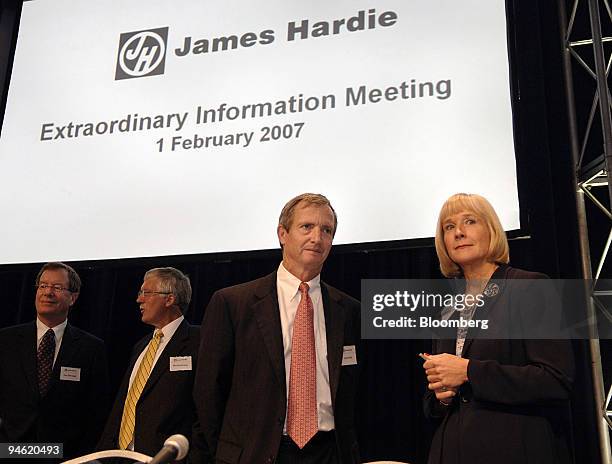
<point x="240" y="390"/>
<point x="72" y="412"/>
<point x="514" y="408"/>
<point x="165" y="406"/>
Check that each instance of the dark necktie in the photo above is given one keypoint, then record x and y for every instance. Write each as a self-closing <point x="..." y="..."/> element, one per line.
<point x="44" y="358"/>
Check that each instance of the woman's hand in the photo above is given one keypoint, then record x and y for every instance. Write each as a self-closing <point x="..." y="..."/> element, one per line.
<point x="445" y="374"/>
<point x="445" y="395"/>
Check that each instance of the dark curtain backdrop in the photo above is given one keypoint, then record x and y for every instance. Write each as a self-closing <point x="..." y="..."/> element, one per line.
<point x="391" y="420"/>
<point x="391" y="426"/>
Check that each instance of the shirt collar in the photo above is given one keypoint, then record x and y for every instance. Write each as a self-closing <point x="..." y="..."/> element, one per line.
<point x="169" y="329"/>
<point x="287" y="279"/>
<point x="58" y="330"/>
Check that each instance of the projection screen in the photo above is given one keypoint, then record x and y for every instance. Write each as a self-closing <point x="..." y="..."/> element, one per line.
<point x="153" y="128"/>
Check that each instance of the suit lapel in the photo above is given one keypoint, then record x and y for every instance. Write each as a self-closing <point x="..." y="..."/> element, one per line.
<point x="28" y="357"/>
<point x="65" y="355"/>
<point x="174" y="347"/>
<point x="141" y="345"/>
<point x="496" y="283"/>
<point x="334" y="328"/>
<point x="267" y="315"/>
<point x="125" y="383"/>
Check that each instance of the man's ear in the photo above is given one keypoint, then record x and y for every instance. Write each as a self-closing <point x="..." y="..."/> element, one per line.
<point x="282" y="234"/>
<point x="171" y="300"/>
<point x="73" y="298"/>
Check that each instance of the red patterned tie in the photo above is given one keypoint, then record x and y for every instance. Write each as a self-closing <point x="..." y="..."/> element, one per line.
<point x="44" y="359"/>
<point x="302" y="423"/>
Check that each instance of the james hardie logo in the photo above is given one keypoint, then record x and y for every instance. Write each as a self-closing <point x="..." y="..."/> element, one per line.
<point x="142" y="53"/>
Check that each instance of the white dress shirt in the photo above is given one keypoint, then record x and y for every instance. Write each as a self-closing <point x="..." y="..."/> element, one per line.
<point x="287" y="286"/>
<point x="168" y="331"/>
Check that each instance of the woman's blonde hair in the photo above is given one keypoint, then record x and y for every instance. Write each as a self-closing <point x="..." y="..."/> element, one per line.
<point x="498" y="243"/>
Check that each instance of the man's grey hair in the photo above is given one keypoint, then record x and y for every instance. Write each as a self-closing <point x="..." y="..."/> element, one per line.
<point x="173" y="281"/>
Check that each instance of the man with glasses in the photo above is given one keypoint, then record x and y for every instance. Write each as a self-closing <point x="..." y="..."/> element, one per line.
<point x="154" y="400"/>
<point x="53" y="376"/>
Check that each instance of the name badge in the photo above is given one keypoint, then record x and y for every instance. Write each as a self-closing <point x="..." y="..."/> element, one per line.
<point x="73" y="374"/>
<point x="180" y="363"/>
<point x="349" y="355"/>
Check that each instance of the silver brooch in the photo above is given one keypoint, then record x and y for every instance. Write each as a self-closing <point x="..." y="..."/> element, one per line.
<point x="491" y="290"/>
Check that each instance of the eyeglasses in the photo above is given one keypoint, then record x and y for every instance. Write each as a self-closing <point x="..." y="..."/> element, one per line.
<point x="146" y="293"/>
<point x="55" y="287"/>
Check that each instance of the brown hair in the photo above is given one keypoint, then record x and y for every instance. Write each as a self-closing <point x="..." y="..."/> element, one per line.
<point x="286" y="216"/>
<point x="74" y="281"/>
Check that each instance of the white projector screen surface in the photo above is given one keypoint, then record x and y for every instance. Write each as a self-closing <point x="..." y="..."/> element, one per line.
<point x="152" y="128"/>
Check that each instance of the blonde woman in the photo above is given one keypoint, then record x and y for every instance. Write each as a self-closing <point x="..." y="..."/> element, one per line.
<point x="496" y="400"/>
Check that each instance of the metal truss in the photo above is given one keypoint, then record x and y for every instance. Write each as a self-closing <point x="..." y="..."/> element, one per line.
<point x="592" y="173"/>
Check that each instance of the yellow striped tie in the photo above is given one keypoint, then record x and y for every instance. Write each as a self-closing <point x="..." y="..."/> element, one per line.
<point x="128" y="420"/>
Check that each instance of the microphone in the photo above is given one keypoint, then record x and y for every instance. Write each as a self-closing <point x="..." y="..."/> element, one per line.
<point x="175" y="448"/>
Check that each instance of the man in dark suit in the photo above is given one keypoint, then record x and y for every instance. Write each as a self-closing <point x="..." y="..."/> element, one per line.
<point x="53" y="376"/>
<point x="154" y="400"/>
<point x="278" y="361"/>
